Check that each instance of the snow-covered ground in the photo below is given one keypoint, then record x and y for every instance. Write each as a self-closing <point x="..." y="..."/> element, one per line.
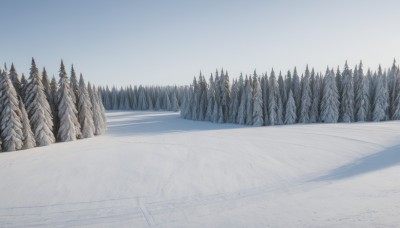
<point x="155" y="169"/>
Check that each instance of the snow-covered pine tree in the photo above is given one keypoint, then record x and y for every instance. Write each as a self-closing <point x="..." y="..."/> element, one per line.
<point x="38" y="108"/>
<point x="46" y="85"/>
<point x="67" y="112"/>
<point x="225" y="96"/>
<point x="196" y="100"/>
<point x="396" y="96"/>
<point x="316" y="97"/>
<point x="296" y="89"/>
<point x="234" y="102"/>
<point x="265" y="94"/>
<point x="258" y="119"/>
<point x="392" y="86"/>
<point x="330" y="101"/>
<point x="73" y="84"/>
<point x="362" y="105"/>
<point x="290" y="111"/>
<point x="10" y="121"/>
<point x="215" y="115"/>
<point x="85" y="113"/>
<point x="101" y="111"/>
<point x="347" y="102"/>
<point x="282" y="89"/>
<point x="24" y="83"/>
<point x="54" y="104"/>
<point x="249" y="102"/>
<point x="27" y="134"/>
<point x="241" y="118"/>
<point x="273" y="100"/>
<point x="210" y="92"/>
<point x="380" y="100"/>
<point x="339" y="80"/>
<point x="305" y="102"/>
<point x="15" y="79"/>
<point x="174" y="103"/>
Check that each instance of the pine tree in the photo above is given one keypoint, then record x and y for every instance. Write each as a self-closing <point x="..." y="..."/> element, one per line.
<point x="85" y="113"/>
<point x="46" y="84"/>
<point x="210" y="95"/>
<point x="27" y="134"/>
<point x="249" y="103"/>
<point x="73" y="84"/>
<point x="362" y="105"/>
<point x="347" y="102"/>
<point x="258" y="119"/>
<point x="54" y="104"/>
<point x="67" y="112"/>
<point x="290" y="112"/>
<point x="175" y="105"/>
<point x="10" y="122"/>
<point x="15" y="79"/>
<point x="241" y="118"/>
<point x="38" y="109"/>
<point x="380" y="100"/>
<point x="24" y="84"/>
<point x="273" y="100"/>
<point x="305" y="102"/>
<point x="330" y="101"/>
<point x="316" y="98"/>
<point x="296" y="89"/>
<point x="234" y="108"/>
<point x="396" y="97"/>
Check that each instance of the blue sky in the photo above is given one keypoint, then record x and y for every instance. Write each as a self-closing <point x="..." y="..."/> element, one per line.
<point x="170" y="41"/>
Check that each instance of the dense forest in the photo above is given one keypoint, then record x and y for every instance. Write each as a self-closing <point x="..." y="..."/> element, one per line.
<point x="37" y="111"/>
<point x="348" y="95"/>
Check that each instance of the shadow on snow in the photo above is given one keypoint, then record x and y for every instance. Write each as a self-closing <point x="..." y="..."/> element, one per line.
<point x="371" y="163"/>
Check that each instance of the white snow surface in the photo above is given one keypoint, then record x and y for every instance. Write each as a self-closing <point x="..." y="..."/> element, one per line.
<point x="154" y="169"/>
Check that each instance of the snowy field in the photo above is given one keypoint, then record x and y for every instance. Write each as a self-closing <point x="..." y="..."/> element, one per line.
<point x="153" y="169"/>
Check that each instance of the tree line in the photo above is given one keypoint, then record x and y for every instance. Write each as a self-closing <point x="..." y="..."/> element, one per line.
<point x="37" y="111"/>
<point x="349" y="95"/>
<point x="166" y="98"/>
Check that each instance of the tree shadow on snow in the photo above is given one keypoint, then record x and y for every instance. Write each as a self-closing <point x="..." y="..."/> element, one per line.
<point x="375" y="162"/>
<point x="144" y="123"/>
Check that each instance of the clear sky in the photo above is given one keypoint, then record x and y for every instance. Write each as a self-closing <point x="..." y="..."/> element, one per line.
<point x="164" y="42"/>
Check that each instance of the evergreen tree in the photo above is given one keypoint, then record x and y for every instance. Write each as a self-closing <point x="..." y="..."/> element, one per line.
<point x="27" y="134"/>
<point x="74" y="86"/>
<point x="290" y="112"/>
<point x="85" y="113"/>
<point x="241" y="118"/>
<point x="249" y="103"/>
<point x="305" y="102"/>
<point x="38" y="109"/>
<point x="258" y="119"/>
<point x="10" y="122"/>
<point x="46" y="84"/>
<point x="175" y="105"/>
<point x="347" y="102"/>
<point x="15" y="79"/>
<point x="380" y="100"/>
<point x="54" y="104"/>
<point x="67" y="112"/>
<point x="273" y="100"/>
<point x="316" y="98"/>
<point x="330" y="101"/>
<point x="296" y="89"/>
<point x="362" y="105"/>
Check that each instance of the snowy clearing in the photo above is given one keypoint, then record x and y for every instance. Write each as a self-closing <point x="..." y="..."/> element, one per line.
<point x="156" y="169"/>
